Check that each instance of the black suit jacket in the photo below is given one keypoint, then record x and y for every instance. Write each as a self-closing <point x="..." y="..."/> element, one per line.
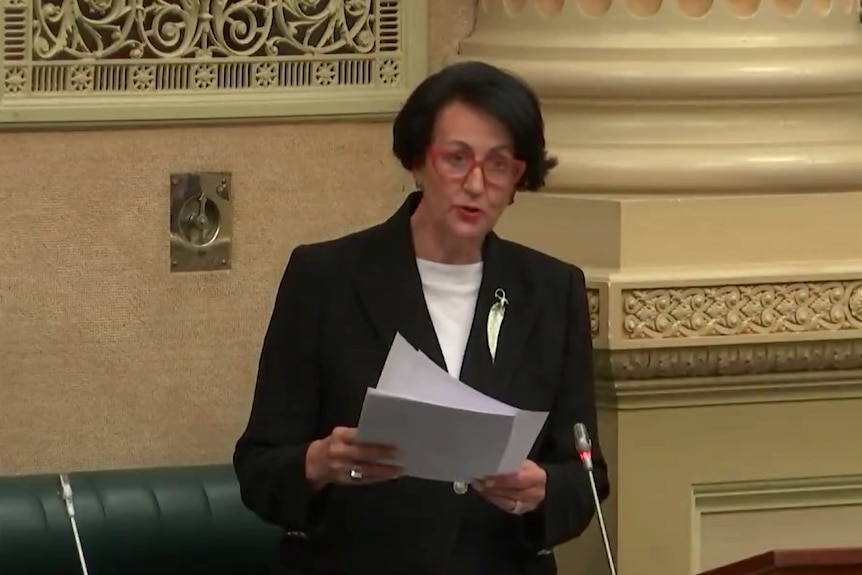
<point x="336" y="313"/>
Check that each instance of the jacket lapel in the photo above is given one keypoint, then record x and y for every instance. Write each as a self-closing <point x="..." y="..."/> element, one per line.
<point x="390" y="288"/>
<point x="501" y="271"/>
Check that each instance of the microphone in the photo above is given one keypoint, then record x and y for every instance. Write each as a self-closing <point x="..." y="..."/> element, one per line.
<point x="66" y="494"/>
<point x="585" y="451"/>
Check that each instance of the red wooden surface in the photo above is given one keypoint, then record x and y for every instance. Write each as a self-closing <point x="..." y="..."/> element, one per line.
<point x="843" y="560"/>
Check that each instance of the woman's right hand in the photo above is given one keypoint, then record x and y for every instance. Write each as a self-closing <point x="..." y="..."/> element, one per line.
<point x="332" y="459"/>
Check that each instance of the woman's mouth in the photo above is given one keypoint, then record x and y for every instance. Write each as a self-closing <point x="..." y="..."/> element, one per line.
<point x="468" y="212"/>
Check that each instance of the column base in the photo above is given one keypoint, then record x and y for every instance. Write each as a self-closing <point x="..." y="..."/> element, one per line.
<point x="714" y="299"/>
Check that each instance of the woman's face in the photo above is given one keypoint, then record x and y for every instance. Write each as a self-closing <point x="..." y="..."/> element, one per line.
<point x="469" y="173"/>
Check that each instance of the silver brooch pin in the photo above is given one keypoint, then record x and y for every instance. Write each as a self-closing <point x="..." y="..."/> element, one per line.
<point x="495" y="320"/>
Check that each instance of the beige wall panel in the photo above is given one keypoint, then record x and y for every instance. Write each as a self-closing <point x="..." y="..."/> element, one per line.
<point x="106" y="358"/>
<point x="664" y="238"/>
<point x="727" y="537"/>
<point x="665" y="456"/>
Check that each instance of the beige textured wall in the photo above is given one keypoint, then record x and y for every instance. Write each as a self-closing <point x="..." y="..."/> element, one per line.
<point x="107" y="359"/>
<point x="730" y="481"/>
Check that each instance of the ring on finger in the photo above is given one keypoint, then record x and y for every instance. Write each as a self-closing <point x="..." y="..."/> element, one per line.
<point x="356" y="474"/>
<point x="518" y="508"/>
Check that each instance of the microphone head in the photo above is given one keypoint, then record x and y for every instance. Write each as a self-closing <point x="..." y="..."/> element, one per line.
<point x="65" y="486"/>
<point x="582" y="439"/>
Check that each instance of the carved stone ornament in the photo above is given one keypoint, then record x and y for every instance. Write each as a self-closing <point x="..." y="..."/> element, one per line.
<point x="593" y="303"/>
<point x="122" y="60"/>
<point x="742" y="359"/>
<point x="694" y="312"/>
<point x="724" y="375"/>
<point x="725" y="344"/>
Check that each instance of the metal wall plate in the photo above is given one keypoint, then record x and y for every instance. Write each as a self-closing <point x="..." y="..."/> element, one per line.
<point x="201" y="221"/>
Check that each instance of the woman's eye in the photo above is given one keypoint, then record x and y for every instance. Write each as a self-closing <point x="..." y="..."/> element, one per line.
<point x="499" y="164"/>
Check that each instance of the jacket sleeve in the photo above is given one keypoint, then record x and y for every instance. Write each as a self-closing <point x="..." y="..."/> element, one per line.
<point x="269" y="458"/>
<point x="568" y="506"/>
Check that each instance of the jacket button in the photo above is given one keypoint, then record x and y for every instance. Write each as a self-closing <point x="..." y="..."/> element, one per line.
<point x="459" y="487"/>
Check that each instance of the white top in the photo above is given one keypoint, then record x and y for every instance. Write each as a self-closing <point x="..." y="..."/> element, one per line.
<point x="451" y="292"/>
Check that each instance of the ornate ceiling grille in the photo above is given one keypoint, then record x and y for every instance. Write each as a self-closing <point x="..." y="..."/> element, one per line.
<point x="127" y="60"/>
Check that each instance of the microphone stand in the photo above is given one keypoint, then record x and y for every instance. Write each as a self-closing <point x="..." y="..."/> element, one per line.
<point x="66" y="494"/>
<point x="585" y="451"/>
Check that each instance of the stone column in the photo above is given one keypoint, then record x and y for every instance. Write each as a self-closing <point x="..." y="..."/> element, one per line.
<point x="710" y="183"/>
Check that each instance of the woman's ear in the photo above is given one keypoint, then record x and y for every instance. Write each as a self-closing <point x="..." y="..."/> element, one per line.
<point x="417" y="180"/>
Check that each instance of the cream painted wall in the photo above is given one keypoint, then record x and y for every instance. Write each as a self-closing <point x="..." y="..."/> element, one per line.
<point x="106" y="359"/>
<point x="702" y="486"/>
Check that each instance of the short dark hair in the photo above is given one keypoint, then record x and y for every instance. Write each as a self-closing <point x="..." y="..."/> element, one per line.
<point x="489" y="89"/>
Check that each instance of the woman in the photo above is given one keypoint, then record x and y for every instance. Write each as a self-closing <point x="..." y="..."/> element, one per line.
<point x="471" y="135"/>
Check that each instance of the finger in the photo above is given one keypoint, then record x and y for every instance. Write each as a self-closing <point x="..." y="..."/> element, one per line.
<point x="532" y="496"/>
<point x="503" y="503"/>
<point x="374" y="471"/>
<point x="513" y="494"/>
<point x="506" y="482"/>
<point x="344" y="434"/>
<point x="519" y="506"/>
<point x="349" y="454"/>
<point x="482" y="488"/>
<point x="375" y="452"/>
<point x="345" y="437"/>
<point x="370" y="473"/>
<point x="527" y="477"/>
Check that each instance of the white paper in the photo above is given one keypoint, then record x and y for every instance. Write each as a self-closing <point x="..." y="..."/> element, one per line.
<point x="445" y="430"/>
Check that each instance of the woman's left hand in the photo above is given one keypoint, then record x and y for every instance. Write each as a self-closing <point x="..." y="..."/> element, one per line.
<point x="517" y="493"/>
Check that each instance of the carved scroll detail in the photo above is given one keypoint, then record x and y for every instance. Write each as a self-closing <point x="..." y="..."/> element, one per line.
<point x="131" y="49"/>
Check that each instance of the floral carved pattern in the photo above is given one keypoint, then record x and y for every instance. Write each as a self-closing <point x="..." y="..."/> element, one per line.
<point x="130" y="48"/>
<point x="695" y="312"/>
<point x="80" y="29"/>
<point x="593" y="304"/>
<point x="728" y="360"/>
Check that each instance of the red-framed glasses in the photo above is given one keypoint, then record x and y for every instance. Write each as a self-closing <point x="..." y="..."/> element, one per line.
<point x="499" y="169"/>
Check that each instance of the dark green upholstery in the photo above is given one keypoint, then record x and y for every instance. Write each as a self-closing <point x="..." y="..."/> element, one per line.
<point x="161" y="521"/>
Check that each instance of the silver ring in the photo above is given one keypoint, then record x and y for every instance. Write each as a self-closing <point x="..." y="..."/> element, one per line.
<point x="356" y="474"/>
<point x="518" y="508"/>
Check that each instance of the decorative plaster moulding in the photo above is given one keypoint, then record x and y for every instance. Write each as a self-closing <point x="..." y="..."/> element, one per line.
<point x="777" y="494"/>
<point x="128" y="61"/>
<point x="715" y="19"/>
<point x="702" y="342"/>
<point x="625" y="314"/>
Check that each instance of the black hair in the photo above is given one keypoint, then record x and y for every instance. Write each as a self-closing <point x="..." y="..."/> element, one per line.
<point x="489" y="89"/>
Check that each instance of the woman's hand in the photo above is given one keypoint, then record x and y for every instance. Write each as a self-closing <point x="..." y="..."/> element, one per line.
<point x="517" y="493"/>
<point x="339" y="458"/>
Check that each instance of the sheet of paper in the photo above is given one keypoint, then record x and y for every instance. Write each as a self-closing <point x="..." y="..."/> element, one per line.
<point x="399" y="362"/>
<point x="410" y="373"/>
<point x="445" y="430"/>
<point x="436" y="441"/>
<point x="526" y="428"/>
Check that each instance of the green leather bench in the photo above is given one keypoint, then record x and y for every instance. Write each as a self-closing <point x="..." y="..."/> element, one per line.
<point x="158" y="521"/>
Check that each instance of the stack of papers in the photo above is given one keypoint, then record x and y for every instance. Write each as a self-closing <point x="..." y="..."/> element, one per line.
<point x="444" y="429"/>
